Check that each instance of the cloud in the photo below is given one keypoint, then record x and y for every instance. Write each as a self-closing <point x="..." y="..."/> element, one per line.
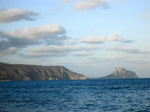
<point x="60" y="7"/>
<point x="128" y="50"/>
<point x="114" y="38"/>
<point x="56" y="50"/>
<point x="65" y="1"/>
<point x="63" y="48"/>
<point x="47" y="34"/>
<point x="34" y="33"/>
<point x="10" y="15"/>
<point x="71" y="42"/>
<point x="44" y="54"/>
<point x="9" y="51"/>
<point x="147" y="16"/>
<point x="128" y="41"/>
<point x="101" y="39"/>
<point x="83" y="54"/>
<point x="114" y="60"/>
<point x="8" y="41"/>
<point x="90" y="4"/>
<point x="94" y="39"/>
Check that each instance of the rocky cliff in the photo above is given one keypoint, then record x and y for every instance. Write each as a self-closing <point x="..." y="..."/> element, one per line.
<point x="34" y="72"/>
<point x="121" y="73"/>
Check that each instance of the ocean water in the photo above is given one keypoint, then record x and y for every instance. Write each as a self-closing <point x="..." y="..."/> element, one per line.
<point x="127" y="95"/>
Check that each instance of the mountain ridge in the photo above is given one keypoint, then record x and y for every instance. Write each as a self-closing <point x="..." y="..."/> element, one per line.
<point x="121" y="73"/>
<point x="37" y="72"/>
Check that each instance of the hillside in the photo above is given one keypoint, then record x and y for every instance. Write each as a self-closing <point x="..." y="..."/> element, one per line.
<point x="36" y="72"/>
<point x="121" y="73"/>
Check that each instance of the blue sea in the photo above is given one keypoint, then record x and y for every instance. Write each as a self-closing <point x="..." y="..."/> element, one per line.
<point x="122" y="95"/>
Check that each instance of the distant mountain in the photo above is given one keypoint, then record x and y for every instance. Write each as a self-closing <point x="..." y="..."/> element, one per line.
<point x="36" y="72"/>
<point x="121" y="73"/>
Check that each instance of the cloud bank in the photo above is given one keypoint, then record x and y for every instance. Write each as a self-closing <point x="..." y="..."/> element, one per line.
<point x="127" y="50"/>
<point x="53" y="34"/>
<point x="56" y="50"/>
<point x="101" y="39"/>
<point x="9" y="51"/>
<point x="90" y="4"/>
<point x="83" y="54"/>
<point x="37" y="32"/>
<point x="10" y="15"/>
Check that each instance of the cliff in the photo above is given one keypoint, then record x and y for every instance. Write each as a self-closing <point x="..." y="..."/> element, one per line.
<point x="121" y="73"/>
<point x="34" y="72"/>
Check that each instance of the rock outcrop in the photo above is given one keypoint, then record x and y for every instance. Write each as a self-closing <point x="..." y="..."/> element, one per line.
<point x="121" y="73"/>
<point x="10" y="72"/>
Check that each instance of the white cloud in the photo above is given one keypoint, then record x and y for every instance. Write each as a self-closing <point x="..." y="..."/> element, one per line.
<point x="101" y="39"/>
<point x="116" y="60"/>
<point x="44" y="54"/>
<point x="94" y="39"/>
<point x="70" y="42"/>
<point x="52" y="34"/>
<point x="114" y="38"/>
<point x="34" y="33"/>
<point x="65" y="48"/>
<point x="10" y="15"/>
<point x="56" y="50"/>
<point x="127" y="50"/>
<point x="90" y="4"/>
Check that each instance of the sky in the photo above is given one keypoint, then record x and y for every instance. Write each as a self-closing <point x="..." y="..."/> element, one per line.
<point x="90" y="37"/>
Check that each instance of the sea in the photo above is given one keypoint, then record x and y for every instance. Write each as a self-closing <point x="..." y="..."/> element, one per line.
<point x="117" y="95"/>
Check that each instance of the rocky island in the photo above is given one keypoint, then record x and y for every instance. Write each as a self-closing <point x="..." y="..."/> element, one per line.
<point x="11" y="72"/>
<point x="121" y="73"/>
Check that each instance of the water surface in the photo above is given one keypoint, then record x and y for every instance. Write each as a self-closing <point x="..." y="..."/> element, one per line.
<point x="127" y="95"/>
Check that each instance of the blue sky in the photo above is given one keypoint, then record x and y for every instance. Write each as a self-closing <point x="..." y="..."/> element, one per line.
<point x="87" y="36"/>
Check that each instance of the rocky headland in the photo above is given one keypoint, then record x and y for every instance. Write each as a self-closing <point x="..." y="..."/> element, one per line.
<point x="121" y="73"/>
<point x="11" y="72"/>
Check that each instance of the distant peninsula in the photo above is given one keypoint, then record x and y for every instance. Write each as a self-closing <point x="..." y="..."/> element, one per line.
<point x="12" y="72"/>
<point x="121" y="73"/>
